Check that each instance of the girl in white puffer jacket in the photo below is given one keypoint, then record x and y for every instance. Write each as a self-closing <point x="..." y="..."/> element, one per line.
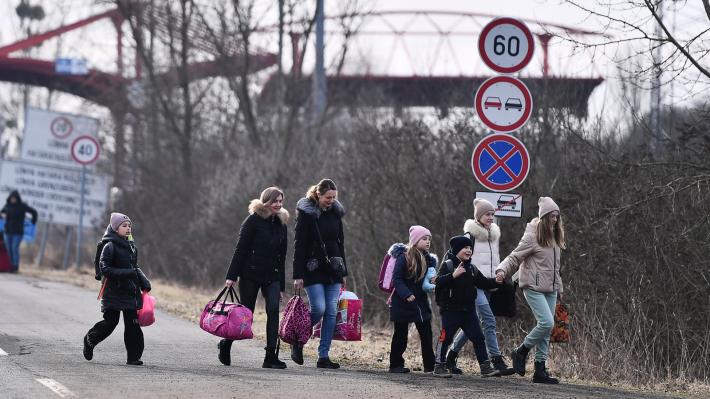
<point x="485" y="235"/>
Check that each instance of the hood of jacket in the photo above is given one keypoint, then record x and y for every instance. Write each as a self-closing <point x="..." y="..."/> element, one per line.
<point x="397" y="249"/>
<point x="16" y="194"/>
<point x="111" y="235"/>
<point x="311" y="208"/>
<point x="260" y="209"/>
<point x="480" y="233"/>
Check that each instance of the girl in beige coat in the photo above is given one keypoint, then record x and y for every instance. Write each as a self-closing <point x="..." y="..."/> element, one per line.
<point x="538" y="259"/>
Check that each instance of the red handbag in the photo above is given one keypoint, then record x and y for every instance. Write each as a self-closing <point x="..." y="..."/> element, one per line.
<point x="560" y="331"/>
<point x="295" y="328"/>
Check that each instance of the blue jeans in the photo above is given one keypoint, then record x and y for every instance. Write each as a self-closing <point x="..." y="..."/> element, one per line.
<point x="488" y="321"/>
<point x="12" y="243"/>
<point x="543" y="308"/>
<point x="323" y="300"/>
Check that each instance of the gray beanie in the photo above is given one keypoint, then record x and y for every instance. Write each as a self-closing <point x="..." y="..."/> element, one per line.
<point x="546" y="205"/>
<point x="117" y="219"/>
<point x="480" y="207"/>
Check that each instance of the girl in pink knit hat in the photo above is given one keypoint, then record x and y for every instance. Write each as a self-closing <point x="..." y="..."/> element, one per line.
<point x="410" y="302"/>
<point x="537" y="261"/>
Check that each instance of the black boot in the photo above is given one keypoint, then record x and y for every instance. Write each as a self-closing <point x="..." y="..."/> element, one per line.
<point x="271" y="360"/>
<point x="500" y="365"/>
<point x="451" y="362"/>
<point x="88" y="348"/>
<point x="519" y="356"/>
<point x="326" y="363"/>
<point x="297" y="354"/>
<point x="542" y="376"/>
<point x="225" y="346"/>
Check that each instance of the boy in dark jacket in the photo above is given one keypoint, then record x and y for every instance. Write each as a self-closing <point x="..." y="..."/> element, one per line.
<point x="121" y="292"/>
<point x="456" y="285"/>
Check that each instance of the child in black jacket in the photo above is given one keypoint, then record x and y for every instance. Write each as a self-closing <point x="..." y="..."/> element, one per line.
<point x="456" y="285"/>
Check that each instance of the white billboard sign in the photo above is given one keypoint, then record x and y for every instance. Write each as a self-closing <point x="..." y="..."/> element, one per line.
<point x="49" y="135"/>
<point x="507" y="204"/>
<point x="55" y="192"/>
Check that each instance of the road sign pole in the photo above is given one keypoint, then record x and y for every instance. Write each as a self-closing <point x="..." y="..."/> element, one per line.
<point x="81" y="216"/>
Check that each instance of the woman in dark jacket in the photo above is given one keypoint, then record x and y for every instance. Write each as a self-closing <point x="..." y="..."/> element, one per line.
<point x="121" y="290"/>
<point x="410" y="303"/>
<point x="319" y="262"/>
<point x="14" y="213"/>
<point x="258" y="264"/>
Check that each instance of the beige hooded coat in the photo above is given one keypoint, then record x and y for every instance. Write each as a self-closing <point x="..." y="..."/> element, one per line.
<point x="539" y="267"/>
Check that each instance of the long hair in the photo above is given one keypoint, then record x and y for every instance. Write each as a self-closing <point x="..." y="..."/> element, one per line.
<point x="270" y="195"/>
<point x="319" y="189"/>
<point x="546" y="235"/>
<point x="416" y="263"/>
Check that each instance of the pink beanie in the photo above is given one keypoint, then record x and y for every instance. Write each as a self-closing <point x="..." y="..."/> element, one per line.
<point x="480" y="207"/>
<point x="546" y="205"/>
<point x="416" y="233"/>
<point x="117" y="219"/>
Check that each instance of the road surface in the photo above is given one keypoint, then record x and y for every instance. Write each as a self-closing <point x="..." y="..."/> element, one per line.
<point x="42" y="325"/>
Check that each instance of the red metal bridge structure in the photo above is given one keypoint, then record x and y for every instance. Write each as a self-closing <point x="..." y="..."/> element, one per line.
<point x="414" y="89"/>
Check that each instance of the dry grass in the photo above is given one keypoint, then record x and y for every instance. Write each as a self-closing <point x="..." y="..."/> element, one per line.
<point x="373" y="352"/>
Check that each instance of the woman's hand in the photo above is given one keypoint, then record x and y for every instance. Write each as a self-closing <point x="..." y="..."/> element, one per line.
<point x="500" y="276"/>
<point x="298" y="284"/>
<point x="230" y="283"/>
<point x="411" y="298"/>
<point x="282" y="296"/>
<point x="559" y="296"/>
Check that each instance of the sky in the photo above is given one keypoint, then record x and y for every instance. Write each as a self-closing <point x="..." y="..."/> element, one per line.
<point x="407" y="54"/>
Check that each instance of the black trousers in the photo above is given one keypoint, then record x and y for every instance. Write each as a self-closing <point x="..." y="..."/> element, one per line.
<point x="132" y="333"/>
<point x="451" y="321"/>
<point x="271" y="292"/>
<point x="399" y="344"/>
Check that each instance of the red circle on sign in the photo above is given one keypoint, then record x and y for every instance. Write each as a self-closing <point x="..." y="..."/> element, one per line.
<point x="500" y="162"/>
<point x="484" y="35"/>
<point x="58" y="124"/>
<point x="524" y="116"/>
<point x="94" y="157"/>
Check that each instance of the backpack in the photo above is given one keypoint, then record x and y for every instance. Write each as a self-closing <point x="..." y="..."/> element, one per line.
<point x="385" y="282"/>
<point x="97" y="258"/>
<point x="439" y="293"/>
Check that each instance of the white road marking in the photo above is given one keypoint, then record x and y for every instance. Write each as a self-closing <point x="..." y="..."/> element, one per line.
<point x="2" y="352"/>
<point x="56" y="387"/>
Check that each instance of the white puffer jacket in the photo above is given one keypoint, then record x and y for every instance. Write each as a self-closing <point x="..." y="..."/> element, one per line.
<point x="485" y="246"/>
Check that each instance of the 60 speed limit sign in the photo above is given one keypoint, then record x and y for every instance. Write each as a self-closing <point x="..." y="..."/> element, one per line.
<point x="85" y="150"/>
<point x="506" y="45"/>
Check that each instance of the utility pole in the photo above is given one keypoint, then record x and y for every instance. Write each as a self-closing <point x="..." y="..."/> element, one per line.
<point x="318" y="79"/>
<point x="655" y="113"/>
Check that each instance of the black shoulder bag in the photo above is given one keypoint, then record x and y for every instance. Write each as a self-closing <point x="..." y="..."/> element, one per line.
<point x="335" y="263"/>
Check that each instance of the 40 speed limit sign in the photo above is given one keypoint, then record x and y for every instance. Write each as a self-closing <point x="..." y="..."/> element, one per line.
<point x="506" y="45"/>
<point x="85" y="150"/>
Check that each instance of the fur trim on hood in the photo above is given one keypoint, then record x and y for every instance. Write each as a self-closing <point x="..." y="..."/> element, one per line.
<point x="478" y="232"/>
<point x="311" y="208"/>
<point x="258" y="207"/>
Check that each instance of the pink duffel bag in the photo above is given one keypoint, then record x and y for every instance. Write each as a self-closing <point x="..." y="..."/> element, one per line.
<point x="295" y="328"/>
<point x="146" y="315"/>
<point x="348" y="320"/>
<point x="227" y="319"/>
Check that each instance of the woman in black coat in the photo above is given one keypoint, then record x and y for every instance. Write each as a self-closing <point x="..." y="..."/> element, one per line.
<point x="258" y="264"/>
<point x="319" y="262"/>
<point x="410" y="303"/>
<point x="121" y="290"/>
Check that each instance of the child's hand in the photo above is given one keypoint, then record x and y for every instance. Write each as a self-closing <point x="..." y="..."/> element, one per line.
<point x="459" y="270"/>
<point x="411" y="298"/>
<point x="500" y="276"/>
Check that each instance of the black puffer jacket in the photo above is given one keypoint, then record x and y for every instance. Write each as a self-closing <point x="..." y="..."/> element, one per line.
<point x="15" y="214"/>
<point x="119" y="265"/>
<point x="459" y="293"/>
<point x="307" y="245"/>
<point x="404" y="286"/>
<point x="260" y="254"/>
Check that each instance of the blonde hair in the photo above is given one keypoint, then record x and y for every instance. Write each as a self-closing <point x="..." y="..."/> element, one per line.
<point x="416" y="263"/>
<point x="547" y="235"/>
<point x="319" y="189"/>
<point x="270" y="195"/>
